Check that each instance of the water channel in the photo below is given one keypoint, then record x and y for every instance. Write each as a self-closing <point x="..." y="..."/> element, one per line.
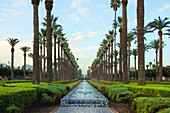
<point x="84" y="99"/>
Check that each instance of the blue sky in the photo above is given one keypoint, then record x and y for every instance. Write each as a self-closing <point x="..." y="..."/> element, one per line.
<point x="85" y="23"/>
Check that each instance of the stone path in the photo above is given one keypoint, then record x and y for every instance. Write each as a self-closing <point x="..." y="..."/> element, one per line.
<point x="84" y="110"/>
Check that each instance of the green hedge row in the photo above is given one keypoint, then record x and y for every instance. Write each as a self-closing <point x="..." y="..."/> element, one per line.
<point x="150" y="90"/>
<point x="24" y="95"/>
<point x="152" y="82"/>
<point x="20" y="97"/>
<point x="138" y="100"/>
<point x="150" y="104"/>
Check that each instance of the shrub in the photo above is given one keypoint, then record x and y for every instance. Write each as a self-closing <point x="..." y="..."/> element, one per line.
<point x="124" y="96"/>
<point x="67" y="88"/>
<point x="19" y="96"/>
<point x="150" y="104"/>
<point x="2" y="82"/>
<point x="112" y="93"/>
<point x="167" y="110"/>
<point x="47" y="99"/>
<point x="13" y="109"/>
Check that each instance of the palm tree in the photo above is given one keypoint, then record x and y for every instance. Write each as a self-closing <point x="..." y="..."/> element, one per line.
<point x="150" y="64"/>
<point x="12" y="42"/>
<point x="130" y="38"/>
<point x="159" y="24"/>
<point x="140" y="32"/>
<point x="30" y="55"/>
<point x="49" y="6"/>
<point x="41" y="40"/>
<point x="36" y="43"/>
<point x="114" y="4"/>
<point x="168" y="33"/>
<point x="56" y="31"/>
<point x="120" y="48"/>
<point x="147" y="66"/>
<point x="25" y="49"/>
<point x="155" y="45"/>
<point x="135" y="53"/>
<point x="124" y="40"/>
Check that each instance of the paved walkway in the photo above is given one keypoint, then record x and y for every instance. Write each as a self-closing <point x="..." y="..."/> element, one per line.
<point x="84" y="110"/>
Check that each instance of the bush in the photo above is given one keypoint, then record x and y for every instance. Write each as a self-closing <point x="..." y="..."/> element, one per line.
<point x="18" y="96"/>
<point x="47" y="99"/>
<point x="124" y="96"/>
<point x="112" y="93"/>
<point x="167" y="110"/>
<point x="2" y="82"/>
<point x="67" y="88"/>
<point x="150" y="104"/>
<point x="13" y="109"/>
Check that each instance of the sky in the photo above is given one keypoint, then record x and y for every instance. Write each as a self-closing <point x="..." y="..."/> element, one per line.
<point x="85" y="23"/>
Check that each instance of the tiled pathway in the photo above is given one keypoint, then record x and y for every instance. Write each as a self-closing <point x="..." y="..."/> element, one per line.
<point x="84" y="99"/>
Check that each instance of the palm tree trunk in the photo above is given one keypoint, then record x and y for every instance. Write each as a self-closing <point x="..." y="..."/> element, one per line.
<point x="120" y="56"/>
<point x="157" y="65"/>
<point x="124" y="41"/>
<point x="55" y="72"/>
<point x="115" y="66"/>
<point x="160" y="55"/>
<point x="128" y="61"/>
<point x="109" y="76"/>
<point x="24" y="66"/>
<point x="106" y="67"/>
<point x="12" y="63"/>
<point x="44" y="61"/>
<point x="135" y="68"/>
<point x="140" y="26"/>
<point x="61" y="67"/>
<point x="40" y="62"/>
<point x="36" y="71"/>
<point x="49" y="5"/>
<point x="58" y="60"/>
<point x="115" y="76"/>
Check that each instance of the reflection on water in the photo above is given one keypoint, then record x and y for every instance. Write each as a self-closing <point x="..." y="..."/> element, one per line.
<point x="84" y="91"/>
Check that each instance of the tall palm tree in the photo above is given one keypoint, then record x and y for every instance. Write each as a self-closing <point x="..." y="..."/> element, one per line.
<point x="147" y="66"/>
<point x="41" y="40"/>
<point x="168" y="32"/>
<point x="56" y="31"/>
<point x="120" y="48"/>
<point x="130" y="38"/>
<point x="150" y="64"/>
<point x="135" y="53"/>
<point x="49" y="6"/>
<point x="12" y="42"/>
<point x="25" y="49"/>
<point x="155" y="45"/>
<point x="114" y="4"/>
<point x="36" y="43"/>
<point x="159" y="24"/>
<point x="140" y="32"/>
<point x="124" y="40"/>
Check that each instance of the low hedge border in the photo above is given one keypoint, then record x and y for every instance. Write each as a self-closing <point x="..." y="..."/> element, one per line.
<point x="139" y="102"/>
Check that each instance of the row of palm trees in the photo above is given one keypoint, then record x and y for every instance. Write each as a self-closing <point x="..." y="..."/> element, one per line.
<point x="102" y="66"/>
<point x="67" y="63"/>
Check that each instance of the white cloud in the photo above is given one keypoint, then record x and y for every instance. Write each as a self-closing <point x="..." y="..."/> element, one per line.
<point x="83" y="11"/>
<point x="19" y="3"/>
<point x="132" y="2"/>
<point x="107" y="10"/>
<point x="74" y="17"/>
<point x="14" y="12"/>
<point x="89" y="34"/>
<point x="2" y="19"/>
<point x="76" y="3"/>
<point x="163" y="8"/>
<point x="133" y="23"/>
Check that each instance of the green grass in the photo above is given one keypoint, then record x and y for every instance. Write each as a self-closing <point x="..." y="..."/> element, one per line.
<point x="28" y="84"/>
<point x="73" y="84"/>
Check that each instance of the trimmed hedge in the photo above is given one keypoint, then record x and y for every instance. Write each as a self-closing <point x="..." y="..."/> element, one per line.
<point x="150" y="90"/>
<point x="20" y="97"/>
<point x="167" y="110"/>
<point x="152" y="82"/>
<point x="150" y="104"/>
